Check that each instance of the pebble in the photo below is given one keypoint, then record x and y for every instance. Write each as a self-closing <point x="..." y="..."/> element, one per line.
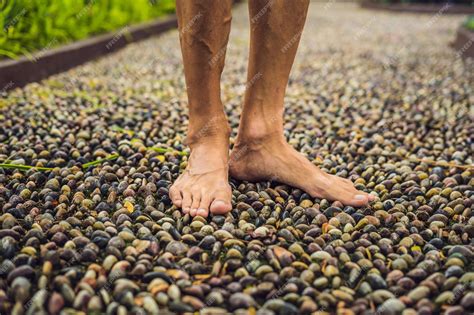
<point x="391" y="306"/>
<point x="177" y="248"/>
<point x="468" y="301"/>
<point x="419" y="293"/>
<point x="241" y="300"/>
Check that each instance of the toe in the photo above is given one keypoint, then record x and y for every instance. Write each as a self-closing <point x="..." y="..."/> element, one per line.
<point x="175" y="196"/>
<point x="203" y="209"/>
<point x="187" y="200"/>
<point x="220" y="206"/>
<point x="359" y="199"/>
<point x="195" y="204"/>
<point x="221" y="203"/>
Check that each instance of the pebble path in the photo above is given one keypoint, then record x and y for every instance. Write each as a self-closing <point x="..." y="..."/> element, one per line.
<point x="375" y="97"/>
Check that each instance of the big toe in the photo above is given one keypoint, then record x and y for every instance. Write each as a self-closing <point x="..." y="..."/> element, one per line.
<point x="356" y="197"/>
<point x="219" y="206"/>
<point x="359" y="199"/>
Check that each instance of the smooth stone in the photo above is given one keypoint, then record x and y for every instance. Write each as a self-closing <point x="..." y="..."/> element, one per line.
<point x="400" y="264"/>
<point x="468" y="301"/>
<point x="320" y="256"/>
<point x="419" y="293"/>
<point x="52" y="184"/>
<point x="261" y="232"/>
<point x="284" y="256"/>
<point x="280" y="307"/>
<point x="454" y="310"/>
<point x="177" y="248"/>
<point x="21" y="271"/>
<point x="241" y="300"/>
<point x="376" y="281"/>
<point x="463" y="250"/>
<point x="446" y="297"/>
<point x="331" y="271"/>
<point x="55" y="303"/>
<point x="391" y="306"/>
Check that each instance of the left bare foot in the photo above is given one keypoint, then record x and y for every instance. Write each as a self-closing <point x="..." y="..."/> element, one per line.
<point x="272" y="158"/>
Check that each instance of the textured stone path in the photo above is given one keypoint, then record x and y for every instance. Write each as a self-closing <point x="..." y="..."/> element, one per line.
<point x="374" y="97"/>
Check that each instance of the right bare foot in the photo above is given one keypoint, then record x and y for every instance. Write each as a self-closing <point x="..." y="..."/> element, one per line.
<point x="204" y="184"/>
<point x="272" y="158"/>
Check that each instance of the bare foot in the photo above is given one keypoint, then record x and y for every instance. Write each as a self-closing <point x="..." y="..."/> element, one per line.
<point x="204" y="185"/>
<point x="272" y="158"/>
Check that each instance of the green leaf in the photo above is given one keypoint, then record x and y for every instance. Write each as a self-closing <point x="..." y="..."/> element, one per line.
<point x="164" y="150"/>
<point x="24" y="167"/>
<point x="97" y="162"/>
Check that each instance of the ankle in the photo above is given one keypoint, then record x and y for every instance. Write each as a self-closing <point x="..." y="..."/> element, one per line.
<point x="208" y="129"/>
<point x="260" y="126"/>
<point x="255" y="139"/>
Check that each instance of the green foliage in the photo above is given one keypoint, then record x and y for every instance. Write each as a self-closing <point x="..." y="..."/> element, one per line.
<point x="28" y="26"/>
<point x="469" y="24"/>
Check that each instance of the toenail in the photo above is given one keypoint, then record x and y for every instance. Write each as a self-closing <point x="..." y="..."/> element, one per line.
<point x="359" y="197"/>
